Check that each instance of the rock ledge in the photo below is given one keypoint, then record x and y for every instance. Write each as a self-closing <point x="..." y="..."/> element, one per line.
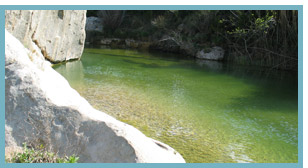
<point x="42" y="108"/>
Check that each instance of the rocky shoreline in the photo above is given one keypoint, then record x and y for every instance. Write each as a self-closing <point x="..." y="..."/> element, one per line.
<point x="42" y="108"/>
<point x="94" y="31"/>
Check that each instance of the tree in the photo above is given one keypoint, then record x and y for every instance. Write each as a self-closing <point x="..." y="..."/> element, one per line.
<point x="112" y="19"/>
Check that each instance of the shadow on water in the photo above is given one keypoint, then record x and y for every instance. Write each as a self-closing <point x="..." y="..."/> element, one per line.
<point x="169" y="57"/>
<point x="242" y="72"/>
<point x="202" y="65"/>
<point x="275" y="91"/>
<point x="144" y="65"/>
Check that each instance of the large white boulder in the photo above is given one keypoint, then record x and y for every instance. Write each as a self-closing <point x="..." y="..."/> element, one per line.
<point x="58" y="34"/>
<point x="42" y="108"/>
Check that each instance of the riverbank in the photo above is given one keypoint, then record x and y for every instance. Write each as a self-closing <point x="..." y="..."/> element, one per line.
<point x="247" y="37"/>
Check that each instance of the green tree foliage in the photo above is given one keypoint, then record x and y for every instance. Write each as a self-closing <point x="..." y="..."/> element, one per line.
<point x="112" y="19"/>
<point x="267" y="38"/>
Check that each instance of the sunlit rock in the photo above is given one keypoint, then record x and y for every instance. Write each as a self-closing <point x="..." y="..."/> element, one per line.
<point x="58" y="34"/>
<point x="42" y="108"/>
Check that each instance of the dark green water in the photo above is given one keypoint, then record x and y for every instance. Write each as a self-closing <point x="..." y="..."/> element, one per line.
<point x="207" y="111"/>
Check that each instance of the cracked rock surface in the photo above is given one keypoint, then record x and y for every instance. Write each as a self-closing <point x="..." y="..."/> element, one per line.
<point x="58" y="34"/>
<point x="42" y="108"/>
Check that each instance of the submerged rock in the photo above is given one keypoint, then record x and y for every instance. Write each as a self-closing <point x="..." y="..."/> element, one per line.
<point x="216" y="53"/>
<point x="42" y="108"/>
<point x="58" y="34"/>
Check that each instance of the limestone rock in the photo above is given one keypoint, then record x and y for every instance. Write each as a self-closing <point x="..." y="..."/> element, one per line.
<point x="216" y="53"/>
<point x="58" y="34"/>
<point x="42" y="108"/>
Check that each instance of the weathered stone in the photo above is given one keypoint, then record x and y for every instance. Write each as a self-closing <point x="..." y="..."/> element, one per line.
<point x="167" y="45"/>
<point x="216" y="53"/>
<point x="110" y="41"/>
<point x="130" y="43"/>
<point x="42" y="108"/>
<point x="58" y="34"/>
<point x="173" y="45"/>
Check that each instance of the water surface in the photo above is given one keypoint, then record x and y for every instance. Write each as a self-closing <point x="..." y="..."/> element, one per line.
<point x="209" y="112"/>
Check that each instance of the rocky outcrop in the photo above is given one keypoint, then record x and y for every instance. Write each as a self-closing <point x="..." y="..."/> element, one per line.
<point x="124" y="43"/>
<point x="216" y="53"/>
<point x="112" y="41"/>
<point x="167" y="45"/>
<point x="58" y="34"/>
<point x="172" y="45"/>
<point x="42" y="108"/>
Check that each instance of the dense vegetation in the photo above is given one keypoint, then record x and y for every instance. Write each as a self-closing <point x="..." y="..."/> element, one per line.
<point x="254" y="37"/>
<point x="39" y="155"/>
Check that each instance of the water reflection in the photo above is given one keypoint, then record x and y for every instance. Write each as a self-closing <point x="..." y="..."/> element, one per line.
<point x="72" y="71"/>
<point x="210" y="65"/>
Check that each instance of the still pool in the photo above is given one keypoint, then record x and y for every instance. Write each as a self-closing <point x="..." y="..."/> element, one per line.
<point x="208" y="111"/>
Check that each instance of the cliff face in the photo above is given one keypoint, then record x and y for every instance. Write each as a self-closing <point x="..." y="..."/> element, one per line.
<point x="58" y="34"/>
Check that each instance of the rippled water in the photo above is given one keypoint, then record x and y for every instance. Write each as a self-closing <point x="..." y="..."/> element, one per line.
<point x="207" y="111"/>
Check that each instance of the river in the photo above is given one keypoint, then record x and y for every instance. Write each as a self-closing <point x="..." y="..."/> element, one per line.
<point x="208" y="111"/>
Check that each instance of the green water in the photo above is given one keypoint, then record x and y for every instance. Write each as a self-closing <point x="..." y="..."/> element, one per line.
<point x="209" y="112"/>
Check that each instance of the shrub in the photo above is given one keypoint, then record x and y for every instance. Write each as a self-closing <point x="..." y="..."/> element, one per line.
<point x="39" y="155"/>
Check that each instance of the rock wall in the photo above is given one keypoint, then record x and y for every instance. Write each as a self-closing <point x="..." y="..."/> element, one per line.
<point x="42" y="108"/>
<point x="58" y="34"/>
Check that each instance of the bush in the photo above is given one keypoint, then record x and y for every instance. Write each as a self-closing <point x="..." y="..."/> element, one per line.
<point x="39" y="155"/>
